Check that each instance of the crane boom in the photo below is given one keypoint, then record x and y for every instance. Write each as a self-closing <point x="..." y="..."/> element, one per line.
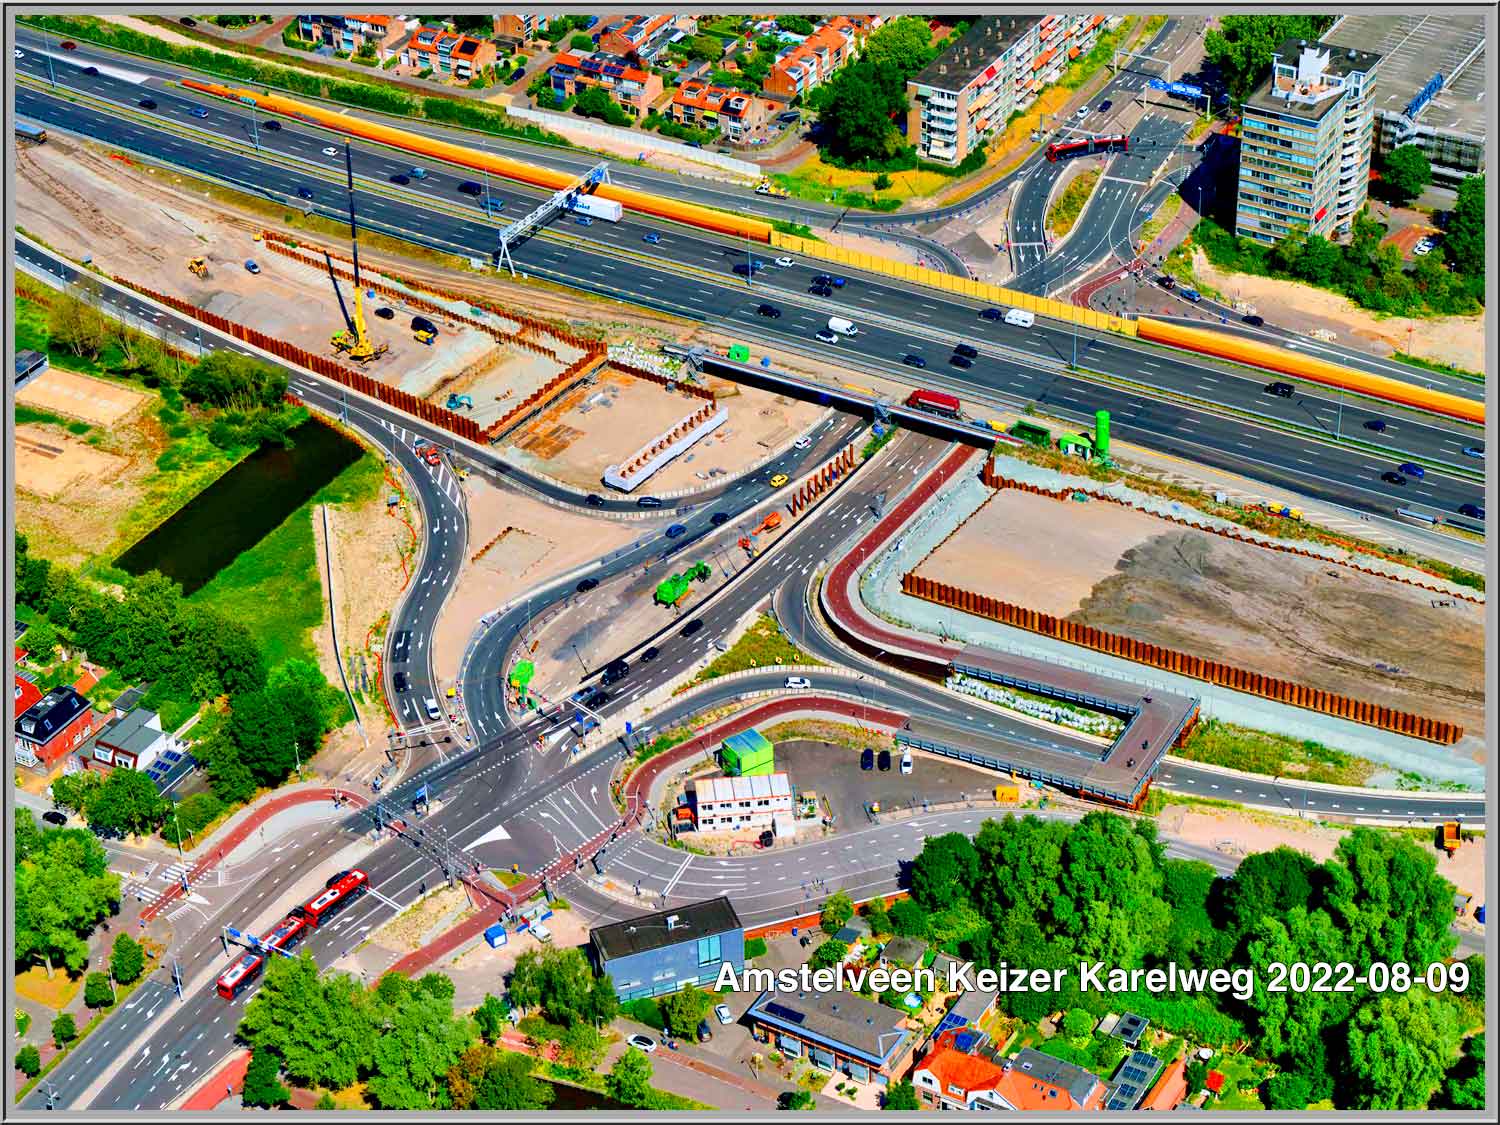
<point x="356" y="339"/>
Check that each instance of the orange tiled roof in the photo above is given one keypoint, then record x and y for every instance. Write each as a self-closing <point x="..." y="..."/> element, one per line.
<point x="1027" y="1093"/>
<point x="1169" y="1090"/>
<point x="1044" y="58"/>
<point x="967" y="1072"/>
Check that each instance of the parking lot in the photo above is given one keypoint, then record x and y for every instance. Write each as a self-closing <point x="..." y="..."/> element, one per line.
<point x="833" y="772"/>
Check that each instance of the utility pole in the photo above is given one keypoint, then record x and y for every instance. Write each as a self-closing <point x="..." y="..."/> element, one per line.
<point x="51" y="77"/>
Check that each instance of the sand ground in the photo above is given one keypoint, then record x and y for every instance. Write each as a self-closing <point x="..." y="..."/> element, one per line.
<point x="1297" y="618"/>
<point x="51" y="463"/>
<point x="95" y="401"/>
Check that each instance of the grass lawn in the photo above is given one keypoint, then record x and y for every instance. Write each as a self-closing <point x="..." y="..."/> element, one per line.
<point x="32" y="332"/>
<point x="764" y="645"/>
<point x="1066" y="208"/>
<point x="56" y="993"/>
<point x="1224" y="744"/>
<point x="508" y="878"/>
<point x="1158" y="222"/>
<point x="30" y="415"/>
<point x="815" y="180"/>
<point x="275" y="587"/>
<point x="1243" y="1075"/>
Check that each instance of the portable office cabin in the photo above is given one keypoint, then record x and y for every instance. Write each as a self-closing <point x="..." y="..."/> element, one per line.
<point x="747" y="754"/>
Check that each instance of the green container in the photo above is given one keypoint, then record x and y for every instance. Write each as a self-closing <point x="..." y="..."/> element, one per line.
<point x="1101" y="432"/>
<point x="747" y="754"/>
<point x="739" y="353"/>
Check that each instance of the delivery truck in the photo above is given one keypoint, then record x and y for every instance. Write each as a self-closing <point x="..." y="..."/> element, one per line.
<point x="841" y="326"/>
<point x="596" y="208"/>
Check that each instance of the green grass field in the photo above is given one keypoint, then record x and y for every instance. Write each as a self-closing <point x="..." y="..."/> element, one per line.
<point x="764" y="645"/>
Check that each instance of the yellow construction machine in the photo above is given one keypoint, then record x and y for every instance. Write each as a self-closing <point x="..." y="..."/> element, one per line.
<point x="353" y="340"/>
<point x="198" y="266"/>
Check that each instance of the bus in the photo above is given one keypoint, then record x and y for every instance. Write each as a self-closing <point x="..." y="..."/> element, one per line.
<point x="240" y="974"/>
<point x="338" y="892"/>
<point x="343" y="889"/>
<point x="1062" y="150"/>
<point x="286" y="936"/>
<point x="30" y="132"/>
<point x="934" y="402"/>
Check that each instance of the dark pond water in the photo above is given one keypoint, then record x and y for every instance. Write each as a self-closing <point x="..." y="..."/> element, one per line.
<point x="576" y="1097"/>
<point x="242" y="507"/>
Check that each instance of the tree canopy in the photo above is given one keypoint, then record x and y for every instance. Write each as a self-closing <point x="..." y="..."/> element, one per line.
<point x="1406" y="171"/>
<point x="64" y="889"/>
<point x="562" y="984"/>
<point x="1241" y="46"/>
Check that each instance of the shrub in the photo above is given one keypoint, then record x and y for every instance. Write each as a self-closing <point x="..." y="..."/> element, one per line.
<point x="29" y="1061"/>
<point x="64" y="1031"/>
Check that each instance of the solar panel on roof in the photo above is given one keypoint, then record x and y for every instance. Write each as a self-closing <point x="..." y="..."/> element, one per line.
<point x="782" y="1012"/>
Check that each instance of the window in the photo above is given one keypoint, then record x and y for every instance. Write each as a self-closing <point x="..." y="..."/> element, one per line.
<point x="709" y="951"/>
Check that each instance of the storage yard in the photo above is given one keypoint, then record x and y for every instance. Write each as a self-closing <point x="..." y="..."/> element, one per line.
<point x="1297" y="618"/>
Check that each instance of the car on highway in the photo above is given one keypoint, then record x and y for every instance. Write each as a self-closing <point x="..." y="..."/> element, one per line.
<point x="20" y="54"/>
<point x="648" y="502"/>
<point x="719" y="519"/>
<point x="962" y="361"/>
<point x="1392" y="478"/>
<point x="252" y="266"/>
<point x="401" y="682"/>
<point x="91" y="70"/>
<point x="273" y="126"/>
<point x="650" y="654"/>
<point x="1376" y="425"/>
<point x="614" y="671"/>
<point x="778" y="480"/>
<point x="823" y="279"/>
<point x="652" y="238"/>
<point x="641" y="1043"/>
<point x="1166" y="281"/>
<point x="823" y="336"/>
<point x="867" y="759"/>
<point x="884" y="761"/>
<point x="676" y="530"/>
<point x="147" y="103"/>
<point x="692" y="627"/>
<point x="768" y="310"/>
<point x="417" y="173"/>
<point x="586" y="584"/>
<point x="385" y="312"/>
<point x="594" y="500"/>
<point x="471" y="187"/>
<point x="591" y="696"/>
<point x="199" y="111"/>
<point x="913" y="360"/>
<point x="723" y="1014"/>
<point x="1474" y="451"/>
<point x="749" y="269"/>
<point x="1105" y="105"/>
<point x="1253" y="320"/>
<point x="1082" y="113"/>
<point x="330" y="150"/>
<point x="1412" y="469"/>
<point x="797" y="683"/>
<point x="1280" y="390"/>
<point x="1190" y="294"/>
<point x="992" y="314"/>
<point x="401" y="179"/>
<point x="839" y="282"/>
<point x="820" y="290"/>
<point x="305" y="192"/>
<point x="968" y="350"/>
<point x="784" y="261"/>
<point x="802" y="442"/>
<point x="1473" y="511"/>
<point x="68" y="45"/>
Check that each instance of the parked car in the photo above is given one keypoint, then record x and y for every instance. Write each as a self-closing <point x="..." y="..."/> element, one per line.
<point x="676" y="530"/>
<point x="913" y="360"/>
<point x="692" y="627"/>
<point x="769" y="310"/>
<point x="723" y="1014"/>
<point x="867" y="759"/>
<point x="1254" y="320"/>
<point x="1473" y="511"/>
<point x="586" y="584"/>
<point x="53" y="816"/>
<point x="1422" y="249"/>
<point x="1083" y="112"/>
<point x="884" y="761"/>
<point x="1105" y="105"/>
<point x="642" y="1043"/>
<point x="1280" y="390"/>
<point x="705" y="1033"/>
<point x="1376" y="425"/>
<point x="1166" y="281"/>
<point x="1392" y="478"/>
<point x="906" y="762"/>
<point x="401" y="681"/>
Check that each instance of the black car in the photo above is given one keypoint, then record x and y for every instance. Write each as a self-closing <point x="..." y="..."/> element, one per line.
<point x="400" y="681"/>
<point x="748" y="269"/>
<point x="1393" y="478"/>
<point x="1253" y="320"/>
<point x="187" y="21"/>
<point x="820" y="290"/>
<point x="1376" y="424"/>
<point x="305" y="192"/>
<point x="693" y="626"/>
<point x="961" y="361"/>
<point x="1166" y="281"/>
<point x="867" y="759"/>
<point x="614" y="672"/>
<point x="401" y="178"/>
<point x="650" y="654"/>
<point x="719" y="519"/>
<point x="992" y="314"/>
<point x="648" y="502"/>
<point x="676" y="530"/>
<point x="1280" y="390"/>
<point x="94" y="70"/>
<point x="471" y="187"/>
<point x="885" y="760"/>
<point x="592" y="696"/>
<point x="769" y="310"/>
<point x="705" y="1033"/>
<point x="913" y="360"/>
<point x="422" y="324"/>
<point x="1473" y="511"/>
<point x="386" y="313"/>
<point x="586" y="584"/>
<point x="272" y="126"/>
<point x="968" y="350"/>
<point x="147" y="103"/>
<point x="823" y="279"/>
<point x="52" y="816"/>
<point x="1104" y="105"/>
<point x="594" y="500"/>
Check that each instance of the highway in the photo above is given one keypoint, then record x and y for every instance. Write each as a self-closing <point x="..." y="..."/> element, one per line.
<point x="1015" y="366"/>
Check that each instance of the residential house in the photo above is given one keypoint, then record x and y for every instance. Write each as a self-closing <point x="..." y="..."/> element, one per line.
<point x="519" y="27"/>
<point x="836" y="1031"/>
<point x="643" y="37"/>
<point x="447" y="53"/>
<point x="633" y="89"/>
<point x="54" y="726"/>
<point x="808" y="64"/>
<point x="904" y="951"/>
<point x="734" y="113"/>
<point x="1133" y="1081"/>
<point x="971" y="1007"/>
<point x="725" y="803"/>
<point x="659" y="953"/>
<point x="1170" y="1089"/>
<point x="28" y="695"/>
<point x="852" y="932"/>
<point x="949" y="1077"/>
<point x="135" y="741"/>
<point x="350" y="33"/>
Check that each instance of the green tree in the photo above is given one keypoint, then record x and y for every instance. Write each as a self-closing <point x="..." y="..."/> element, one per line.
<point x="707" y="48"/>
<point x="1270" y="884"/>
<point x="491" y="1017"/>
<point x="1188" y="885"/>
<point x="796" y="25"/>
<point x="941" y="873"/>
<point x="1078" y="1023"/>
<point x="420" y="1040"/>
<point x="1291" y="1022"/>
<point x="1464" y="1087"/>
<point x="1406" y="173"/>
<point x="903" y="45"/>
<point x="629" y="1080"/>
<point x="581" y="43"/>
<point x="325" y="1102"/>
<point x="594" y="101"/>
<point x="62" y="891"/>
<point x="29" y="1061"/>
<point x="63" y="1030"/>
<point x="1464" y="241"/>
<point x="127" y="960"/>
<point x="877" y="916"/>
<point x="1319" y="262"/>
<point x="836" y="912"/>
<point x="72" y="790"/>
<point x="128" y="802"/>
<point x="855" y="109"/>
<point x="900" y="1096"/>
<point x="881" y="182"/>
<point x="1287" y="1091"/>
<point x="41" y="642"/>
<point x="192" y="815"/>
<point x="507" y="1084"/>
<point x="1387" y="898"/>
<point x="829" y="954"/>
<point x="230" y="778"/>
<point x="794" y="1099"/>
<point x="908" y="919"/>
<point x="31" y="573"/>
<point x="683" y="1009"/>
<point x="97" y="992"/>
<point x="323" y="1030"/>
<point x="1240" y="47"/>
<point x="263" y="1087"/>
<point x="581" y="1045"/>
<point x="1399" y="1048"/>
<point x="561" y="983"/>
<point x="1109" y="902"/>
<point x="28" y="836"/>
<point x="1195" y="1074"/>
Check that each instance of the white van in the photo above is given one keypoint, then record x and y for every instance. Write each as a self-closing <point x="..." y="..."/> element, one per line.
<point x="1020" y="318"/>
<point x="540" y="932"/>
<point x="841" y="326"/>
<point x="431" y="705"/>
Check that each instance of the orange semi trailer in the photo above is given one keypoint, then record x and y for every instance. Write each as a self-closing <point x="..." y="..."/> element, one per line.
<point x="703" y="217"/>
<point x="1286" y="362"/>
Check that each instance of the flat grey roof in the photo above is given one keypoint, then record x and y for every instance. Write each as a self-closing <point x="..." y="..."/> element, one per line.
<point x="981" y="45"/>
<point x="1414" y="47"/>
<point x="130" y="733"/>
<point x="842" y="1020"/>
<point x="649" y="931"/>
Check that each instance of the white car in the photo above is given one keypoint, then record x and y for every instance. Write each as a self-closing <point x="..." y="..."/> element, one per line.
<point x="798" y="683"/>
<point x="785" y="261"/>
<point x="19" y="53"/>
<point x="802" y="442"/>
<point x="641" y="1043"/>
<point x="827" y="337"/>
<point x="723" y="1014"/>
<point x="1422" y="248"/>
<point x="330" y="151"/>
<point x="1082" y="113"/>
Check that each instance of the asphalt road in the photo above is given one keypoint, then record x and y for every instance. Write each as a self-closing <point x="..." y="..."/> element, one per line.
<point x="1014" y="366"/>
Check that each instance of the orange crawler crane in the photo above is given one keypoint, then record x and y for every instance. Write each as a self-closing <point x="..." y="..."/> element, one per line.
<point x="769" y="524"/>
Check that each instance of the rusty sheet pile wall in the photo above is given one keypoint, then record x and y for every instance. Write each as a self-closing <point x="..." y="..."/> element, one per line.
<point x="663" y="381"/>
<point x="822" y="480"/>
<point x="321" y="365"/>
<point x="575" y="370"/>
